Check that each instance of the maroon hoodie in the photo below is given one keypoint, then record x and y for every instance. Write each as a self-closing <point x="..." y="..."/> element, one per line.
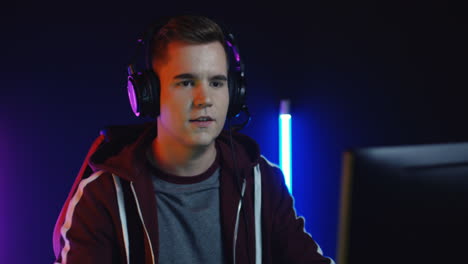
<point x="110" y="215"/>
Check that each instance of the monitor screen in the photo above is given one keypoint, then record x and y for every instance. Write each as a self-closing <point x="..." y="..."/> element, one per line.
<point x="404" y="204"/>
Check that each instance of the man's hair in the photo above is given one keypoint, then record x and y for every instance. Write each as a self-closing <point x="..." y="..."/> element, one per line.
<point x="188" y="29"/>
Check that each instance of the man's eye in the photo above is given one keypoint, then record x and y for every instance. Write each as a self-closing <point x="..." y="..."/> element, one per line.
<point x="186" y="83"/>
<point x="217" y="84"/>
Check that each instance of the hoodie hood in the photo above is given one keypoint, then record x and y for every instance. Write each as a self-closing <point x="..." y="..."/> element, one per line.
<point x="123" y="150"/>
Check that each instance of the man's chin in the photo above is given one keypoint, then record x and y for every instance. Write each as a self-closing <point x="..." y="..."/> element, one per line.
<point x="202" y="141"/>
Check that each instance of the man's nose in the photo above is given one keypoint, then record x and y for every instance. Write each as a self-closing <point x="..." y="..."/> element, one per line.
<point x="202" y="96"/>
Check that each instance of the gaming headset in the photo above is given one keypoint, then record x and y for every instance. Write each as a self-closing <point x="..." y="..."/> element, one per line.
<point x="143" y="85"/>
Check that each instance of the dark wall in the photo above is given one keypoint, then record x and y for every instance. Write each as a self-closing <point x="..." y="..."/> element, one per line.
<point x="357" y="74"/>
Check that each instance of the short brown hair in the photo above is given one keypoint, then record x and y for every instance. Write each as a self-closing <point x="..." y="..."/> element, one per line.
<point x="187" y="29"/>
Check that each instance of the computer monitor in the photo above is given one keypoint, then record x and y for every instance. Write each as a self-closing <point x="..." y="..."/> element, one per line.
<point x="404" y="204"/>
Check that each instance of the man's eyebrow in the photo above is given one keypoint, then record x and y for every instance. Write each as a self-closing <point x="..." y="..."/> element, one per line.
<point x="184" y="76"/>
<point x="219" y="77"/>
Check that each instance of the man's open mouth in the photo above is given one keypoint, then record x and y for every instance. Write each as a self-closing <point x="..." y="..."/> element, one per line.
<point x="202" y="119"/>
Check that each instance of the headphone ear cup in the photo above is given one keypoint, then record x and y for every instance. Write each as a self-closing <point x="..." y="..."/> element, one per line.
<point x="135" y="88"/>
<point x="150" y="95"/>
<point x="236" y="93"/>
<point x="143" y="93"/>
<point x="155" y="87"/>
<point x="232" y="85"/>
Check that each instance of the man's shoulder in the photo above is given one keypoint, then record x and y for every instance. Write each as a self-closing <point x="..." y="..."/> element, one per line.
<point x="269" y="163"/>
<point x="271" y="172"/>
<point x="100" y="182"/>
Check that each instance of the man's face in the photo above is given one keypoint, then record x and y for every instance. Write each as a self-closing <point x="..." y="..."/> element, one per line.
<point x="194" y="93"/>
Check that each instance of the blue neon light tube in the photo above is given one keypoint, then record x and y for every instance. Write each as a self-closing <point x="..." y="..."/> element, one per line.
<point x="285" y="143"/>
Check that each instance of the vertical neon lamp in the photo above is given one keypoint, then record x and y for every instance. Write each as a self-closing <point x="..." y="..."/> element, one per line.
<point x="285" y="143"/>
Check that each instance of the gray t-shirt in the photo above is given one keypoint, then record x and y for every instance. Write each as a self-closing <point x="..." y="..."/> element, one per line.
<point x="189" y="217"/>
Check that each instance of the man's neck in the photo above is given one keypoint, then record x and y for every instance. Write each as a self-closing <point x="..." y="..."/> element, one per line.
<point x="175" y="158"/>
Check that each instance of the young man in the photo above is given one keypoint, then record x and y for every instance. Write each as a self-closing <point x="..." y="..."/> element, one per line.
<point x="182" y="190"/>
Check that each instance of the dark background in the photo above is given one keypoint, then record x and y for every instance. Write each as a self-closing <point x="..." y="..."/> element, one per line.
<point x="358" y="74"/>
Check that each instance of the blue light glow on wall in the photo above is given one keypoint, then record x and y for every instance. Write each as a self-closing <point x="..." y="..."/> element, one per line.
<point x="285" y="143"/>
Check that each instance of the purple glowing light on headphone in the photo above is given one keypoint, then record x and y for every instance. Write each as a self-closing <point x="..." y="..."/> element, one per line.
<point x="236" y="53"/>
<point x="132" y="97"/>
